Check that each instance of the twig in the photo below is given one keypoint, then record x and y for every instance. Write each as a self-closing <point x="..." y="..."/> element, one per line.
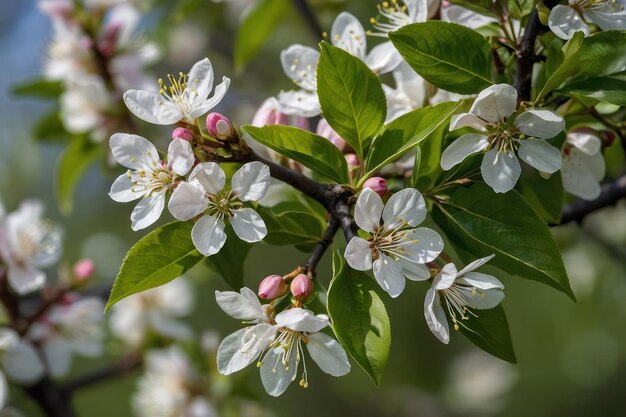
<point x="302" y="6"/>
<point x="122" y="367"/>
<point x="322" y="245"/>
<point x="611" y="193"/>
<point x="53" y="400"/>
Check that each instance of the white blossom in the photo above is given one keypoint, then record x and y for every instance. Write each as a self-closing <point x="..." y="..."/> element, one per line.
<point x="148" y="177"/>
<point x="566" y="20"/>
<point x="205" y="193"/>
<point x="277" y="342"/>
<point x="85" y="105"/>
<point x="456" y="292"/>
<point x="27" y="243"/>
<point x="73" y="327"/>
<point x="156" y="310"/>
<point x="397" y="248"/>
<point x="462" y="16"/>
<point x="409" y="94"/>
<point x="501" y="134"/>
<point x="395" y="15"/>
<point x="185" y="99"/>
<point x="583" y="164"/>
<point x="18" y="359"/>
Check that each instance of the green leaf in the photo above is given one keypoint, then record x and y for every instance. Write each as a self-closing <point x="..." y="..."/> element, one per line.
<point x="256" y="27"/>
<point x="292" y="228"/>
<point x="72" y="164"/>
<point x="545" y="195"/>
<point x="489" y="330"/>
<point x="38" y="88"/>
<point x="605" y="89"/>
<point x="484" y="7"/>
<point x="311" y="150"/>
<point x="406" y="132"/>
<point x="359" y="318"/>
<point x="351" y="97"/>
<point x="229" y="261"/>
<point x="603" y="53"/>
<point x="561" y="63"/>
<point x="159" y="257"/>
<point x="450" y="56"/>
<point x="483" y="223"/>
<point x="50" y="128"/>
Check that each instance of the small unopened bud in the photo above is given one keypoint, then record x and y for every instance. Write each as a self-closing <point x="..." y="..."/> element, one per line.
<point x="607" y="137"/>
<point x="272" y="287"/>
<point x="219" y="126"/>
<point x="83" y="269"/>
<point x="352" y="160"/>
<point x="301" y="286"/>
<point x="378" y="184"/>
<point x="182" y="133"/>
<point x="268" y="114"/>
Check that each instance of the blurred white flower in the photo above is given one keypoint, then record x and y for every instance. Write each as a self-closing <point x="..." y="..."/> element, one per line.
<point x="155" y="310"/>
<point x="566" y="20"/>
<point x="27" y="243"/>
<point x="185" y="99"/>
<point x="583" y="164"/>
<point x="462" y="16"/>
<point x="148" y="177"/>
<point x="85" y="104"/>
<point x="461" y="290"/>
<point x="4" y="390"/>
<point x="205" y="190"/>
<point x="73" y="327"/>
<point x="18" y="359"/>
<point x="500" y="135"/>
<point x="170" y="387"/>
<point x="409" y="94"/>
<point x="397" y="248"/>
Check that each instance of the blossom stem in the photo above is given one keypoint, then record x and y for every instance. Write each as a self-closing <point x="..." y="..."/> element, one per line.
<point x="322" y="246"/>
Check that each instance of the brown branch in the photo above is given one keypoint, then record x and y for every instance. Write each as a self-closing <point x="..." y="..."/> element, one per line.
<point x="53" y="400"/>
<point x="322" y="245"/>
<point x="611" y="193"/>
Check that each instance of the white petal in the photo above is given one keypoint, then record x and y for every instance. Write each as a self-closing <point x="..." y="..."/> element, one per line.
<point x="542" y="124"/>
<point x="58" y="356"/>
<point x="417" y="10"/>
<point x="22" y="364"/>
<point x="606" y="19"/>
<point x="461" y="148"/>
<point x="188" y="200"/>
<point x="180" y="156"/>
<point x="243" y="347"/>
<point x="586" y="142"/>
<point x="242" y="306"/>
<point x="203" y="106"/>
<point x="580" y="174"/>
<point x="328" y="354"/>
<point x="476" y="264"/>
<point x="25" y="278"/>
<point x="368" y="210"/>
<point x="251" y="181"/>
<point x="480" y="281"/>
<point x="122" y="189"/>
<point x="383" y="58"/>
<point x="4" y="390"/>
<point x="445" y="279"/>
<point x="495" y="103"/>
<point x="540" y="154"/>
<point x="425" y="246"/>
<point x="348" y="34"/>
<point x="500" y="170"/>
<point x="358" y="254"/>
<point x="299" y="103"/>
<point x="210" y="176"/>
<point x="467" y="120"/>
<point x="200" y="80"/>
<point x="208" y="235"/>
<point x="134" y="152"/>
<point x="484" y="299"/>
<point x="406" y="205"/>
<point x="248" y="225"/>
<point x="276" y="376"/>
<point x="147" y="211"/>
<point x="302" y="320"/>
<point x="564" y="21"/>
<point x="436" y="317"/>
<point x="300" y="63"/>
<point x="164" y="325"/>
<point x="388" y="274"/>
<point x="413" y="271"/>
<point x="152" y="107"/>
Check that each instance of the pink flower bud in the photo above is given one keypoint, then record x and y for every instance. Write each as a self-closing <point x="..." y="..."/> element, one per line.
<point x="301" y="286"/>
<point x="378" y="184"/>
<point x="325" y="131"/>
<point x="219" y="126"/>
<point x="182" y="133"/>
<point x="84" y="269"/>
<point x="352" y="160"/>
<point x="268" y="114"/>
<point x="272" y="287"/>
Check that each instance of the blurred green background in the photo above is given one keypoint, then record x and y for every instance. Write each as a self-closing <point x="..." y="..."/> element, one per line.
<point x="572" y="356"/>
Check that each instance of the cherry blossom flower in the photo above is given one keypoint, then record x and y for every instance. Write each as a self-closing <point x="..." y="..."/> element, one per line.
<point x="583" y="164"/>
<point x="462" y="16"/>
<point x="502" y="133"/>
<point x="397" y="248"/>
<point x="155" y="310"/>
<point x="18" y="358"/>
<point x="67" y="329"/>
<point x="409" y="94"/>
<point x="395" y="15"/>
<point x="185" y="99"/>
<point x="277" y="342"/>
<point x="205" y="191"/>
<point x="566" y="20"/>
<point x="28" y="243"/>
<point x="148" y="177"/>
<point x="85" y="104"/>
<point x="461" y="291"/>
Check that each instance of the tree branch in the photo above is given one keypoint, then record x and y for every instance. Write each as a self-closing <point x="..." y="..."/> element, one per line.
<point x="611" y="193"/>
<point x="322" y="245"/>
<point x="302" y="6"/>
<point x="120" y="368"/>
<point x="53" y="400"/>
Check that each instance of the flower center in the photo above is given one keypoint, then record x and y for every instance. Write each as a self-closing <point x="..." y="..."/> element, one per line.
<point x="179" y="92"/>
<point x="458" y="301"/>
<point x="396" y="16"/>
<point x="224" y="203"/>
<point x="39" y="238"/>
<point x="392" y="242"/>
<point x="150" y="182"/>
<point x="287" y="344"/>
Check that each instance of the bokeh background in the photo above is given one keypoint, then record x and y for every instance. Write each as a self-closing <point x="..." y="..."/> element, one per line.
<point x="572" y="356"/>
